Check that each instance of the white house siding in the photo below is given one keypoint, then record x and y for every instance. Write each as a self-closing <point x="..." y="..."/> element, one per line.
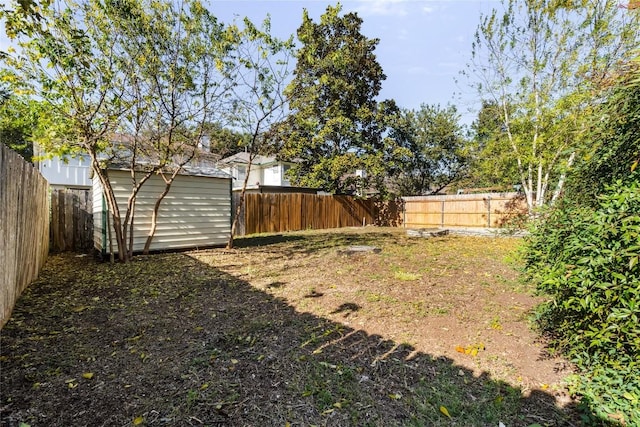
<point x="272" y="175"/>
<point x="255" y="176"/>
<point x="73" y="172"/>
<point x="195" y="213"/>
<point x="266" y="171"/>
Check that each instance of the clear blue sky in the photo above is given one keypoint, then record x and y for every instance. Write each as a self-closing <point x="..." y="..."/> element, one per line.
<point x="423" y="44"/>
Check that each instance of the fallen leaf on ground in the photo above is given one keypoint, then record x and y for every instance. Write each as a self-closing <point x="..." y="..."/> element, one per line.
<point x="445" y="411"/>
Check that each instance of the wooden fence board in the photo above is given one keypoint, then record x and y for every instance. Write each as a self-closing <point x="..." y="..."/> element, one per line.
<point x="24" y="227"/>
<point x="71" y="221"/>
<point x="489" y="210"/>
<point x="295" y="217"/>
<point x="299" y="211"/>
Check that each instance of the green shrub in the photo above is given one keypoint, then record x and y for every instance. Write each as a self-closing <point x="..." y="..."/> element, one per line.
<point x="608" y="394"/>
<point x="587" y="260"/>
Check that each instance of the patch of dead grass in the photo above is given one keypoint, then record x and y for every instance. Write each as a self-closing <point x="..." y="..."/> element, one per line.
<point x="282" y="330"/>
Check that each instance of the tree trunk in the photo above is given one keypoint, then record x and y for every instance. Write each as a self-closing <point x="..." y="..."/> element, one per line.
<point x="131" y="221"/>
<point x="112" y="205"/>
<point x="156" y="209"/>
<point x="238" y="211"/>
<point x="539" y="187"/>
<point x="110" y="237"/>
<point x="563" y="178"/>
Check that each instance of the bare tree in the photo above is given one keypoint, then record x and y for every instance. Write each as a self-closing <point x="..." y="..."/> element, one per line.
<point x="130" y="83"/>
<point x="543" y="64"/>
<point x="258" y="102"/>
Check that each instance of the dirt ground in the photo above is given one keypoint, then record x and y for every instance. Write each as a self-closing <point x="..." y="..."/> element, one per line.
<point x="285" y="330"/>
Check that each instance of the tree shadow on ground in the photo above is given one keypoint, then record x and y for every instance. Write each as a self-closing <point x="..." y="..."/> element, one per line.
<point x="315" y="241"/>
<point x="168" y="340"/>
<point x="263" y="240"/>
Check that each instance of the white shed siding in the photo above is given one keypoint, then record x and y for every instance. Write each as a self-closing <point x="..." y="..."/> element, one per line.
<point x="195" y="213"/>
<point x="98" y="222"/>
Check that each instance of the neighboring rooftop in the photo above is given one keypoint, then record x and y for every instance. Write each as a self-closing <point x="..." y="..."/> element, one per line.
<point x="244" y="158"/>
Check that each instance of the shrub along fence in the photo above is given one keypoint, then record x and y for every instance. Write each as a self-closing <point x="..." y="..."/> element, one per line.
<point x="24" y="227"/>
<point x="264" y="213"/>
<point x="490" y="210"/>
<point x="71" y="221"/>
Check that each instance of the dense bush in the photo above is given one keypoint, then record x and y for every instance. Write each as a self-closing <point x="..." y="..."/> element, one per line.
<point x="587" y="260"/>
<point x="613" y="147"/>
<point x="584" y="254"/>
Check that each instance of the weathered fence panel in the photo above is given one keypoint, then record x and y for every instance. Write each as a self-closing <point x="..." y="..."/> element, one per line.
<point x="24" y="227"/>
<point x="278" y="212"/>
<point x="264" y="213"/>
<point x="71" y="221"/>
<point x="490" y="210"/>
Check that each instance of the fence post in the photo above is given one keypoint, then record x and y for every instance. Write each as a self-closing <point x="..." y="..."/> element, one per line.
<point x="442" y="216"/>
<point x="404" y="213"/>
<point x="489" y="211"/>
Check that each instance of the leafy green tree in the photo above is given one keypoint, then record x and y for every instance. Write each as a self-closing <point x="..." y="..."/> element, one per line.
<point x="75" y="73"/>
<point x="224" y="141"/>
<point x="491" y="166"/>
<point x="544" y="62"/>
<point x="17" y="123"/>
<point x="336" y="126"/>
<point x="183" y="67"/>
<point x="613" y="148"/>
<point x="435" y="139"/>
<point x="584" y="254"/>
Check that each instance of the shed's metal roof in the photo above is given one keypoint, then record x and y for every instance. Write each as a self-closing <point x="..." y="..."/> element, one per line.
<point x="204" y="171"/>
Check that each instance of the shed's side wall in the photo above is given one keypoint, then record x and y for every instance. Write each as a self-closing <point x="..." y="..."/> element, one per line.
<point x="195" y="213"/>
<point x="98" y="223"/>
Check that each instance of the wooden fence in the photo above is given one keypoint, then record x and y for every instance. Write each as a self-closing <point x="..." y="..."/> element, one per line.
<point x="288" y="212"/>
<point x="71" y="221"/>
<point x="490" y="210"/>
<point x="24" y="227"/>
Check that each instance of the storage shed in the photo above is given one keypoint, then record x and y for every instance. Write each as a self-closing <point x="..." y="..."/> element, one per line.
<point x="195" y="213"/>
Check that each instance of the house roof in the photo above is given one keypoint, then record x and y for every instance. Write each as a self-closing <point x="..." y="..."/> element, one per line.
<point x="211" y="172"/>
<point x="200" y="163"/>
<point x="188" y="169"/>
<point x="118" y="156"/>
<point x="243" y="158"/>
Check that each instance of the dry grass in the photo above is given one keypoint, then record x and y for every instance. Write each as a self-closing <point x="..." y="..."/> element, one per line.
<point x="284" y="329"/>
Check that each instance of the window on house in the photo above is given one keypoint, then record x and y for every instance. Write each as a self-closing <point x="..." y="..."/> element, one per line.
<point x="241" y="173"/>
<point x="285" y="178"/>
